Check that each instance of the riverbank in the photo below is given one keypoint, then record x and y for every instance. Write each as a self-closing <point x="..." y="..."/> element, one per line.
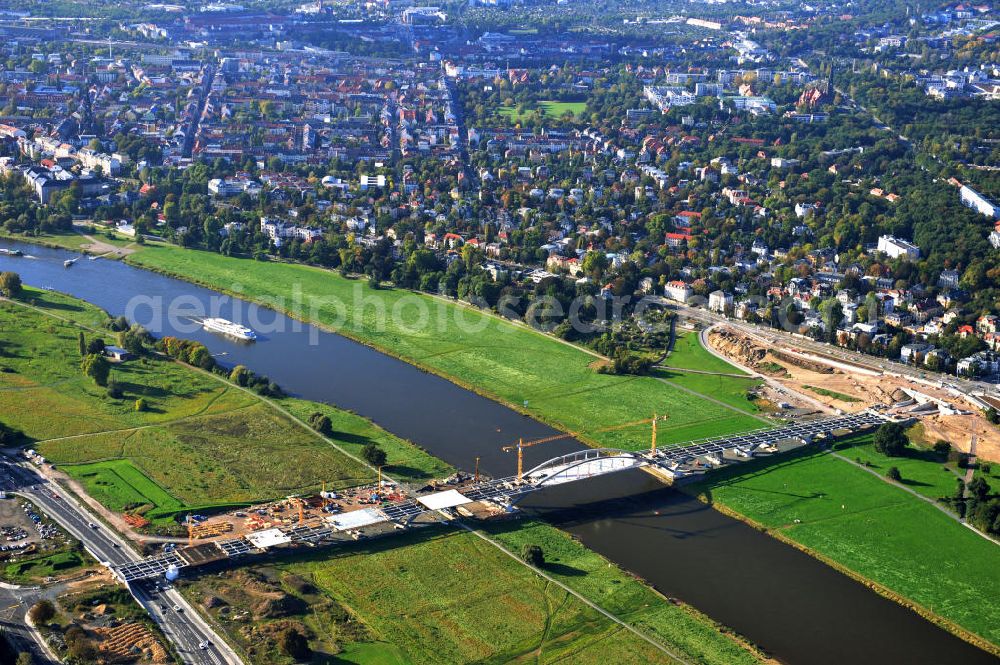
<point x="902" y="548"/>
<point x="79" y="241"/>
<point x="136" y="474"/>
<point x="825" y="547"/>
<point x="498" y="610"/>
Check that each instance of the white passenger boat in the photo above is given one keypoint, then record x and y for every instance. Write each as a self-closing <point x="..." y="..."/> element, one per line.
<point x="227" y="327"/>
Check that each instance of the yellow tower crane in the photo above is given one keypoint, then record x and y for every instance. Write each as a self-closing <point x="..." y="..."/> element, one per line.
<point x="522" y="444"/>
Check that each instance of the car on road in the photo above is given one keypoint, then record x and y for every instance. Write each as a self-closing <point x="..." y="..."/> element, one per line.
<point x="91" y="525"/>
<point x="178" y="608"/>
<point x="204" y="645"/>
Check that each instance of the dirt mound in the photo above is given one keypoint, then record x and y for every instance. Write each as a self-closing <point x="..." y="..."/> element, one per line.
<point x="737" y="346"/>
<point x="211" y="602"/>
<point x="261" y="635"/>
<point x="810" y="365"/>
<point x="130" y="642"/>
<point x="299" y="585"/>
<point x="899" y="395"/>
<point x="278" y="606"/>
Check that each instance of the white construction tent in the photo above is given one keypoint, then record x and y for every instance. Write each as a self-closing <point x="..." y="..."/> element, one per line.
<point x="269" y="538"/>
<point x="447" y="499"/>
<point x="355" y="519"/>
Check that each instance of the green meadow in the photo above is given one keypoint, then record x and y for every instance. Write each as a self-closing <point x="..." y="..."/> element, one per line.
<point x="870" y="527"/>
<point x="436" y="596"/>
<point x="538" y="374"/>
<point x="200" y="443"/>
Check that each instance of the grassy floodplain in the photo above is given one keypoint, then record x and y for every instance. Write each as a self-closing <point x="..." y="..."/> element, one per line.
<point x="878" y="531"/>
<point x="560" y="387"/>
<point x="551" y="381"/>
<point x="75" y="242"/>
<point x="451" y="597"/>
<point x="203" y="444"/>
<point x="922" y="470"/>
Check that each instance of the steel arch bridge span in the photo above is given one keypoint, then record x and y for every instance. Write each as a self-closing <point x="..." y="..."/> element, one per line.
<point x="583" y="464"/>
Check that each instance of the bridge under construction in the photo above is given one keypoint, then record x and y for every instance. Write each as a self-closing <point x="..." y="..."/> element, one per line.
<point x="669" y="462"/>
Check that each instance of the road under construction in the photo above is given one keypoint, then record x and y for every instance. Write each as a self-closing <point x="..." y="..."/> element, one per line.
<point x="670" y="463"/>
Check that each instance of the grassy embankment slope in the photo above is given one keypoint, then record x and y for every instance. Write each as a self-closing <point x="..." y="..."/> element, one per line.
<point x="204" y="442"/>
<point x="201" y="442"/>
<point x="713" y="376"/>
<point x="496" y="358"/>
<point x="872" y="528"/>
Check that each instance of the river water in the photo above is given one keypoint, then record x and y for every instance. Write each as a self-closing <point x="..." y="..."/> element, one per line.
<point x="796" y="608"/>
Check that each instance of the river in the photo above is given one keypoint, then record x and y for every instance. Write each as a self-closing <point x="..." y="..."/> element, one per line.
<point x="796" y="608"/>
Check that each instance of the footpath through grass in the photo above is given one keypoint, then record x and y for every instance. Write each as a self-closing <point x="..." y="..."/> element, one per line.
<point x="203" y="443"/>
<point x="434" y="596"/>
<point x="922" y="470"/>
<point x="611" y="588"/>
<point x="547" y="379"/>
<point x="872" y="528"/>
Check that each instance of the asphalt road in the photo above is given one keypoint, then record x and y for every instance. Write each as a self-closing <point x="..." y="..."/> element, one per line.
<point x="14" y="606"/>
<point x="185" y="628"/>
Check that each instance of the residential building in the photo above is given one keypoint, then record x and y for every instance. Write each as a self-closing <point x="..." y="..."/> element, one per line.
<point x="894" y="248"/>
<point x="678" y="290"/>
<point x="978" y="202"/>
<point x="720" y="301"/>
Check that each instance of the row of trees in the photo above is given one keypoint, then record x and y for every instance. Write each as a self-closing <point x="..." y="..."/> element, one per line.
<point x="981" y="505"/>
<point x="975" y="501"/>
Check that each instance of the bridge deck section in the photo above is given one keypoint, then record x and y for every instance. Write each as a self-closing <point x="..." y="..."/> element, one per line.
<point x="576" y="466"/>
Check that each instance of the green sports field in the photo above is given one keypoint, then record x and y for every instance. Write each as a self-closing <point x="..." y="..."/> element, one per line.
<point x="551" y="109"/>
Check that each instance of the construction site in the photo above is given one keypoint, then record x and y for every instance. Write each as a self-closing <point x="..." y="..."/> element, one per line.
<point x="347" y="510"/>
<point x="384" y="507"/>
<point x="807" y="381"/>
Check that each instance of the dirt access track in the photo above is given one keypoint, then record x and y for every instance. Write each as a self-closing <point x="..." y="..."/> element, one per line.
<point x="849" y="391"/>
<point x="101" y="248"/>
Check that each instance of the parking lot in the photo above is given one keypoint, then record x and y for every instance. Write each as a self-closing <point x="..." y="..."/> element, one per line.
<point x="24" y="530"/>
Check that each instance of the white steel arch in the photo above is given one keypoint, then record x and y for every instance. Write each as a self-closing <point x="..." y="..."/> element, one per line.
<point x="583" y="464"/>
